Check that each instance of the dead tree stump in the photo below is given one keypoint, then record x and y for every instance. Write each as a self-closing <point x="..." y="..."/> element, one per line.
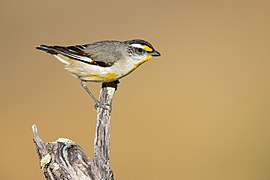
<point x="63" y="159"/>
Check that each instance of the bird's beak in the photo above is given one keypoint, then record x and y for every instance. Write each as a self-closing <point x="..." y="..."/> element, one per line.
<point x="154" y="53"/>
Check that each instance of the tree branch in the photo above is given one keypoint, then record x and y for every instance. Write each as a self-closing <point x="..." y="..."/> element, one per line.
<point x="63" y="159"/>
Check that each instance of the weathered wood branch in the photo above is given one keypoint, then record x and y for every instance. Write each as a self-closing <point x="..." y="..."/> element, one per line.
<point x="63" y="159"/>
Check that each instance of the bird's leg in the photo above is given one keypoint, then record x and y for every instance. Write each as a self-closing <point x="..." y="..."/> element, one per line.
<point x="97" y="102"/>
<point x="84" y="85"/>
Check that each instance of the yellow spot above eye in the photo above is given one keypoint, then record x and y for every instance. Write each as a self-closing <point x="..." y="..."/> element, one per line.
<point x="108" y="76"/>
<point x="147" y="48"/>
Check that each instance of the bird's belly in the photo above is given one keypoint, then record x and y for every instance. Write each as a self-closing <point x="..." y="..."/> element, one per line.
<point x="104" y="77"/>
<point x="93" y="73"/>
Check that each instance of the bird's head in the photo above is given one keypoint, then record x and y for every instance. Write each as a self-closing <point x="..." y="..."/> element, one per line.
<point x="140" y="50"/>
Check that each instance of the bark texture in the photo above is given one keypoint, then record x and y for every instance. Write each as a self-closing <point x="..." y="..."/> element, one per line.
<point x="63" y="159"/>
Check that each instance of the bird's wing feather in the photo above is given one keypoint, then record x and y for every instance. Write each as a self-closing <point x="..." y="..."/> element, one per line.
<point x="79" y="52"/>
<point x="103" y="54"/>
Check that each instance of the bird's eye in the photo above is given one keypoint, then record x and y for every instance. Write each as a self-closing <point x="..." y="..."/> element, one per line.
<point x="139" y="50"/>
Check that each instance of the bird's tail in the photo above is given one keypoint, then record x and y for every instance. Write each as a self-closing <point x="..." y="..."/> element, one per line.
<point x="48" y="49"/>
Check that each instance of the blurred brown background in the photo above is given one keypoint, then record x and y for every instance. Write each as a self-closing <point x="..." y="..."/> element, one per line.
<point x="198" y="112"/>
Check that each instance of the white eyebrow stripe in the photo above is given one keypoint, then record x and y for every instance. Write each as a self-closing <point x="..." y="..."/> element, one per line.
<point x="137" y="46"/>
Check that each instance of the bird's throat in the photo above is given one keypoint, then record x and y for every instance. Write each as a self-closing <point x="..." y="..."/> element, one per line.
<point x="142" y="61"/>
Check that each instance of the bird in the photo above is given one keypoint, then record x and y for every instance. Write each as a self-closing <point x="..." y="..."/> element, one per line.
<point x="102" y="61"/>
